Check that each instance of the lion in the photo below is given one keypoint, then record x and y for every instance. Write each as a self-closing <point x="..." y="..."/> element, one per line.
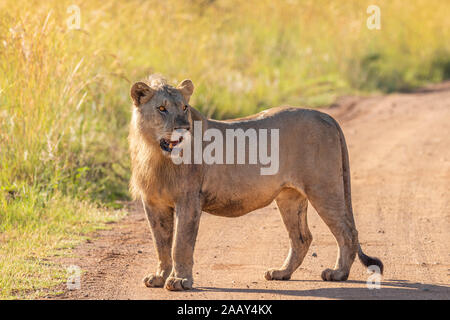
<point x="313" y="166"/>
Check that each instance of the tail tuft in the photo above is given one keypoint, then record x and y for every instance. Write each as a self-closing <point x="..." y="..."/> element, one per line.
<point x="369" y="261"/>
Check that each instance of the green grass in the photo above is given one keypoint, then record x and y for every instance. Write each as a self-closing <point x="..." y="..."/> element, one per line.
<point x="64" y="94"/>
<point x="33" y="232"/>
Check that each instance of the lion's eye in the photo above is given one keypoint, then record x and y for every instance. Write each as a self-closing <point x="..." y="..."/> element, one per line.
<point x="162" y="109"/>
<point x="185" y="107"/>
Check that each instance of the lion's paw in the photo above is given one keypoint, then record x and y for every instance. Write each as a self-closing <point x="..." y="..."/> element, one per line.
<point x="334" y="275"/>
<point x="153" y="281"/>
<point x="275" y="274"/>
<point x="178" y="284"/>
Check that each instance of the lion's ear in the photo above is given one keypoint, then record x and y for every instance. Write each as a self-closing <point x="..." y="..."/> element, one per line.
<point x="187" y="88"/>
<point x="141" y="93"/>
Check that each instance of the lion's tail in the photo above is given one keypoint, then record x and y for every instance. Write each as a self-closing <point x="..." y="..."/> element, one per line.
<point x="369" y="261"/>
<point x="365" y="260"/>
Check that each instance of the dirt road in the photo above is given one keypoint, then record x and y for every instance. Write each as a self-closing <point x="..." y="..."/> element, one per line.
<point x="399" y="149"/>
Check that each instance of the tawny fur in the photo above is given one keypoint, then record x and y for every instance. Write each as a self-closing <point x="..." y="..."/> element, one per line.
<point x="313" y="167"/>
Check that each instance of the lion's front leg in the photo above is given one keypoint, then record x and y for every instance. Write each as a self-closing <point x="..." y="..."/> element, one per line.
<point x="161" y="224"/>
<point x="187" y="218"/>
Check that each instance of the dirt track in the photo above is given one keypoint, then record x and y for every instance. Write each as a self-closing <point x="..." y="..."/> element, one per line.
<point x="399" y="149"/>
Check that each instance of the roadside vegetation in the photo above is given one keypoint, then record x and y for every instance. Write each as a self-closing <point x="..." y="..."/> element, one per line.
<point x="65" y="107"/>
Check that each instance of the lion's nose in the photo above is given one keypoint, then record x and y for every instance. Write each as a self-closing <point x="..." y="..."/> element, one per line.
<point x="183" y="127"/>
<point x="181" y="123"/>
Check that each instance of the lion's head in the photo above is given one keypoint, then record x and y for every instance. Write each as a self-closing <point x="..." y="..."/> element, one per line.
<point x="160" y="110"/>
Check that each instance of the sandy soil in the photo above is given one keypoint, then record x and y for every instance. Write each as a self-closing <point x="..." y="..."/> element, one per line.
<point x="399" y="149"/>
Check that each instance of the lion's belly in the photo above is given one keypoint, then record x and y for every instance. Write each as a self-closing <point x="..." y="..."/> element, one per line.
<point x="232" y="204"/>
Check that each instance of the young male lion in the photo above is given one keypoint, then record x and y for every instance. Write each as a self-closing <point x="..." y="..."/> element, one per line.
<point x="313" y="165"/>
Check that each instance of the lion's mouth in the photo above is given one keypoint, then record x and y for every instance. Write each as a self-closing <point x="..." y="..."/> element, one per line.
<point x="168" y="145"/>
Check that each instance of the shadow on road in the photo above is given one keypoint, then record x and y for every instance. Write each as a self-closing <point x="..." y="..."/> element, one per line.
<point x="390" y="289"/>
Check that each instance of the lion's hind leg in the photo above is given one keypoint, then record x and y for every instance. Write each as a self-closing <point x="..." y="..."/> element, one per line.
<point x="331" y="207"/>
<point x="293" y="206"/>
